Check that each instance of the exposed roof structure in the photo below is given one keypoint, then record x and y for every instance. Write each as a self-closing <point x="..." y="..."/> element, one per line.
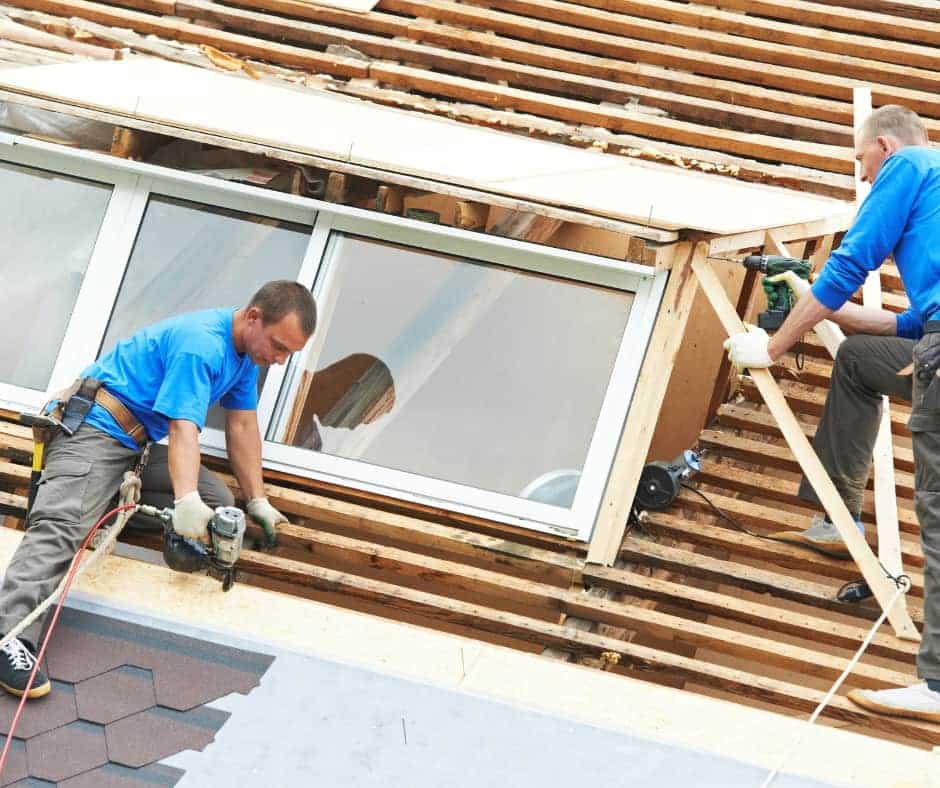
<point x="723" y="102"/>
<point x="758" y="90"/>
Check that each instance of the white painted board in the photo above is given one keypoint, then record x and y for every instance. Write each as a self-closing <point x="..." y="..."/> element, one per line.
<point x="349" y="130"/>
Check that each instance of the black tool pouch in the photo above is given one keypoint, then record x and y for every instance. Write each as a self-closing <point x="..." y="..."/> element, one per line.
<point x="925" y="415"/>
<point x="78" y="405"/>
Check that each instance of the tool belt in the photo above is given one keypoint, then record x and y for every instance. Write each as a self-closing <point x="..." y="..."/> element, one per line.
<point x="75" y="403"/>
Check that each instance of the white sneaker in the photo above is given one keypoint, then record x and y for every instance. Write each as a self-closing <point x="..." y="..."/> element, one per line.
<point x="915" y="701"/>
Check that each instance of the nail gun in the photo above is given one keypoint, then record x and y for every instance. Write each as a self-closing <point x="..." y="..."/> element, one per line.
<point x="218" y="559"/>
<point x="780" y="298"/>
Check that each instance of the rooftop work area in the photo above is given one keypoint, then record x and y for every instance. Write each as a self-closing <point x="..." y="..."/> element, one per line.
<point x="522" y="224"/>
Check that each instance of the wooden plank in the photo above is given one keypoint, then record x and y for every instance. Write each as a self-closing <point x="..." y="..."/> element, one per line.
<point x="771" y="618"/>
<point x="390" y="199"/>
<point x="424" y="572"/>
<point x="763" y="520"/>
<point x="812" y="403"/>
<point x="23" y="34"/>
<point x="824" y="157"/>
<point x="747" y="418"/>
<point x="12" y="504"/>
<point x="544" y="602"/>
<point x="520" y="559"/>
<point x="864" y="17"/>
<point x="886" y="505"/>
<point x="770" y="487"/>
<point x="637" y="433"/>
<point x="731" y="94"/>
<point x="772" y="456"/>
<point x="525" y="226"/>
<point x="723" y="379"/>
<point x="874" y="575"/>
<point x="745" y="49"/>
<point x="345" y="590"/>
<point x="199" y="34"/>
<point x="792" y="232"/>
<point x="765" y="581"/>
<point x="471" y="215"/>
<point x="553" y="80"/>
<point x="817" y="28"/>
<point x="622" y="37"/>
<point x="926" y="10"/>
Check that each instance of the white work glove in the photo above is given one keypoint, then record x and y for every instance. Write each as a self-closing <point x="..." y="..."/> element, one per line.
<point x="749" y="349"/>
<point x="265" y="515"/>
<point x="191" y="517"/>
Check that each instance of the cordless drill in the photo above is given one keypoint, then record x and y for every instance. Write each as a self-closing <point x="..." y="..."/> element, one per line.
<point x="780" y="298"/>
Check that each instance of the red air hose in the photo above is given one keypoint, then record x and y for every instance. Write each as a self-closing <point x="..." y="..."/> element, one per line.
<point x="55" y="617"/>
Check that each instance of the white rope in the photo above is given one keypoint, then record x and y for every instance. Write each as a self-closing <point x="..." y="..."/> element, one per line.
<point x="130" y="494"/>
<point x="904" y="585"/>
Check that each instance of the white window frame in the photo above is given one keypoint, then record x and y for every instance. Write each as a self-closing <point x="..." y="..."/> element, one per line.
<point x="134" y="182"/>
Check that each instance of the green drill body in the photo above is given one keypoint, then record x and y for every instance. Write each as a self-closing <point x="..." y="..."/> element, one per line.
<point x="780" y="298"/>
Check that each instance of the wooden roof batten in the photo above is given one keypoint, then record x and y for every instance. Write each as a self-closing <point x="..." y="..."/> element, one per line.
<point x="761" y="96"/>
<point x="681" y="598"/>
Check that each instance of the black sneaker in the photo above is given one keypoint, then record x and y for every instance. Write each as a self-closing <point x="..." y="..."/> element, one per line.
<point x="17" y="659"/>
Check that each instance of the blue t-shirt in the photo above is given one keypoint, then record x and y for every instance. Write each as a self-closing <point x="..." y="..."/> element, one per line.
<point x="175" y="369"/>
<point x="900" y="216"/>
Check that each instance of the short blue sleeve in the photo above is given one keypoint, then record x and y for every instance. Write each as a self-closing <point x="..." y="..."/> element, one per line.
<point x="243" y="395"/>
<point x="910" y="324"/>
<point x="186" y="390"/>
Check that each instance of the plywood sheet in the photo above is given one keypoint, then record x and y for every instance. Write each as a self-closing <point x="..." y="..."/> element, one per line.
<point x="358" y="132"/>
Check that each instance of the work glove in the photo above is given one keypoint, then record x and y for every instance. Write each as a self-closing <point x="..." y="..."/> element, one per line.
<point x="749" y="349"/>
<point x="191" y="517"/>
<point x="265" y="515"/>
<point x="797" y="284"/>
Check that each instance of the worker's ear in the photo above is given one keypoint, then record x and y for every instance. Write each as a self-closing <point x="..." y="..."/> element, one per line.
<point x="254" y="313"/>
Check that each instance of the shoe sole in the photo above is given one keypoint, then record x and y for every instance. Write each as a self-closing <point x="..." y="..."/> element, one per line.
<point x="832" y="549"/>
<point x="35" y="692"/>
<point x="892" y="711"/>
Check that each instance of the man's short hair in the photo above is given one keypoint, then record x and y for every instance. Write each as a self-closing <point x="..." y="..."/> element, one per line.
<point x="895" y="121"/>
<point x="281" y="297"/>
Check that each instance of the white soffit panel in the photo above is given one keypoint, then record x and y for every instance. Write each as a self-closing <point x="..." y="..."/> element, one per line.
<point x="358" y="132"/>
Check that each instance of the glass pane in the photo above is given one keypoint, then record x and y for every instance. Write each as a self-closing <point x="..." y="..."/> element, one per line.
<point x="456" y="370"/>
<point x="189" y="256"/>
<point x="49" y="225"/>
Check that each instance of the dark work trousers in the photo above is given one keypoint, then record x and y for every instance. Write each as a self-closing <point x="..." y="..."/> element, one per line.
<point x="866" y="367"/>
<point x="78" y="485"/>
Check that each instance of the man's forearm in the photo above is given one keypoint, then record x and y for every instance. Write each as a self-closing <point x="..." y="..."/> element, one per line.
<point x="183" y="457"/>
<point x="243" y="441"/>
<point x="855" y="319"/>
<point x="805" y="315"/>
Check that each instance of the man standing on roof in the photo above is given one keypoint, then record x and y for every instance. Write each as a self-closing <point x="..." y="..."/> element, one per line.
<point x="159" y="382"/>
<point x="900" y="217"/>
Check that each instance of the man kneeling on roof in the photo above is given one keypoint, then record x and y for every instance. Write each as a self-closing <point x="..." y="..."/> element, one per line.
<point x="900" y="217"/>
<point x="159" y="382"/>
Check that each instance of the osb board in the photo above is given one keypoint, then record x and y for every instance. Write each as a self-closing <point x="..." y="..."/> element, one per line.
<point x="689" y="393"/>
<point x="403" y="142"/>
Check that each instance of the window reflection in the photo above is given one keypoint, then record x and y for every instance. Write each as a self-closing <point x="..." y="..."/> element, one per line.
<point x="456" y="370"/>
<point x="49" y="225"/>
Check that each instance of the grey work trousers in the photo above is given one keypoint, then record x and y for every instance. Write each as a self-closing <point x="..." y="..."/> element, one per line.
<point x="78" y="485"/>
<point x="866" y="367"/>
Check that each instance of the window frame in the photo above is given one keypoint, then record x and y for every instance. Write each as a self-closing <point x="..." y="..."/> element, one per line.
<point x="134" y="182"/>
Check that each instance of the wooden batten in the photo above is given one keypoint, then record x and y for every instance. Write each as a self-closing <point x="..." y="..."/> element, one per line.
<point x="640" y="423"/>
<point x="809" y="462"/>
